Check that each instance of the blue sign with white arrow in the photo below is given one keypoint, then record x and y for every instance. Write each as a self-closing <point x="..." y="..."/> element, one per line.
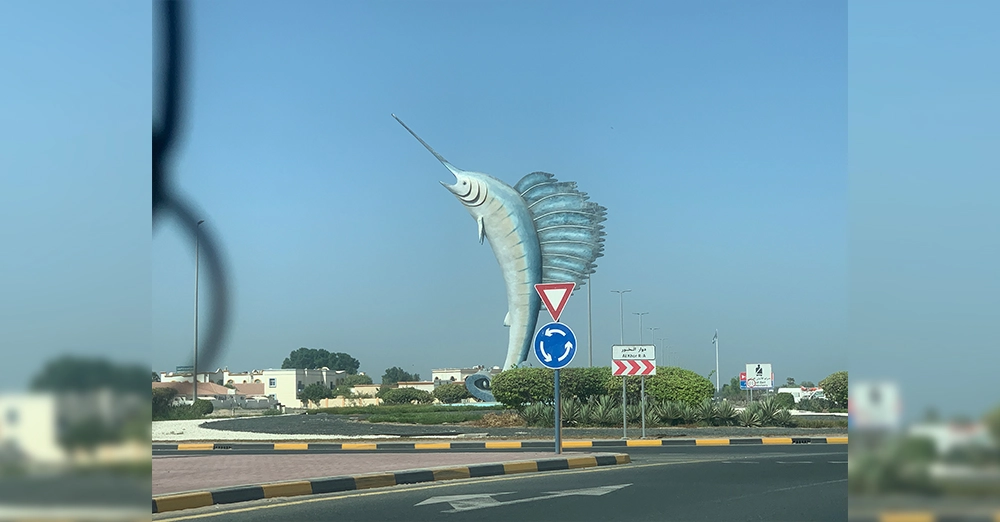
<point x="555" y="345"/>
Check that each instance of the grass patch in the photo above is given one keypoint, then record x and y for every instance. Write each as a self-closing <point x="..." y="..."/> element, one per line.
<point x="387" y="409"/>
<point x="433" y="417"/>
<point x="820" y="423"/>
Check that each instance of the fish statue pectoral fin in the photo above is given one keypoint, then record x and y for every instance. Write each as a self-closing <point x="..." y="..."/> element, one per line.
<point x="482" y="229"/>
<point x="506" y="319"/>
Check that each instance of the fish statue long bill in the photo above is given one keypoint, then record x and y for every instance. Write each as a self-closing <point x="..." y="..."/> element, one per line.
<point x="541" y="230"/>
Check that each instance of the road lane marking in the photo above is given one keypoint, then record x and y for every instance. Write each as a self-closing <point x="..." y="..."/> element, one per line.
<point x="446" y="484"/>
<point x="794" y="462"/>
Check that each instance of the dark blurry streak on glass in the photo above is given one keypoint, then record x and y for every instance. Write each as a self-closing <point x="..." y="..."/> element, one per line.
<point x="169" y="202"/>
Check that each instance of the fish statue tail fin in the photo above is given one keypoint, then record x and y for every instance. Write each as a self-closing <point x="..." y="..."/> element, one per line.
<point x="569" y="227"/>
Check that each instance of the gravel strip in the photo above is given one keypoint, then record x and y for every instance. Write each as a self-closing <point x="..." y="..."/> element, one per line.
<point x="332" y="427"/>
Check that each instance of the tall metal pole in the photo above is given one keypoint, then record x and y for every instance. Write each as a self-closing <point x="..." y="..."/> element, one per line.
<point x="621" y="313"/>
<point x="640" y="314"/>
<point x="194" y="368"/>
<point x="717" y="388"/>
<point x="590" y="329"/>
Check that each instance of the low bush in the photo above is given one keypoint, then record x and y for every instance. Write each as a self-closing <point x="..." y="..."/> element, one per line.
<point x="451" y="392"/>
<point x="518" y="387"/>
<point x="406" y="396"/>
<point x="785" y="400"/>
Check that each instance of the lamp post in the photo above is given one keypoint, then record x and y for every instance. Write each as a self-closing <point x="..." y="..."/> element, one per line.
<point x="194" y="368"/>
<point x="590" y="329"/>
<point x="666" y="359"/>
<point x="621" y="313"/>
<point x="652" y="333"/>
<point x="621" y="323"/>
<point x="640" y="314"/>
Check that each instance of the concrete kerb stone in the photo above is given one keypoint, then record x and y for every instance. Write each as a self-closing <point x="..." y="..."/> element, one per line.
<point x="196" y="499"/>
<point x="491" y="445"/>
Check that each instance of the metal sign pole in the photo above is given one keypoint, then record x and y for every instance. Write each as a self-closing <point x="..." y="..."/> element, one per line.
<point x="558" y="416"/>
<point x="643" y="402"/>
<point x="624" y="417"/>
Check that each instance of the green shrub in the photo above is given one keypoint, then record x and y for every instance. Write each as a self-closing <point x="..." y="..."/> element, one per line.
<point x="633" y="386"/>
<point x="539" y="414"/>
<point x="451" y="393"/>
<point x="162" y="399"/>
<point x="272" y="411"/>
<point x="676" y="384"/>
<point x="816" y="405"/>
<point x="605" y="411"/>
<point x="315" y="392"/>
<point x="785" y="400"/>
<point x="584" y="382"/>
<point x="992" y="421"/>
<point x="835" y="388"/>
<point x="726" y="413"/>
<point x="518" y="387"/>
<point x="203" y="407"/>
<point x="406" y="395"/>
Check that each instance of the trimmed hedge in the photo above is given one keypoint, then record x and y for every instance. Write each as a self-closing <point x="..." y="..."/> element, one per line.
<point x="518" y="387"/>
<point x="406" y="396"/>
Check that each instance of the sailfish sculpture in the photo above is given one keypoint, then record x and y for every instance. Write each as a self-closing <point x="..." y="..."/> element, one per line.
<point x="541" y="230"/>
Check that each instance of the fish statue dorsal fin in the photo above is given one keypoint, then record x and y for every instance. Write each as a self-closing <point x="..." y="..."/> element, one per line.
<point x="569" y="227"/>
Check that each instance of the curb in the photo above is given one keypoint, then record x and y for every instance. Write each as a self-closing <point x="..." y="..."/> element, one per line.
<point x="567" y="444"/>
<point x="196" y="499"/>
<point x="924" y="516"/>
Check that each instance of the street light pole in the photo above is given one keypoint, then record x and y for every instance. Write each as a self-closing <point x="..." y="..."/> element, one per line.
<point x="621" y="313"/>
<point x="621" y="323"/>
<point x="640" y="314"/>
<point x="652" y="333"/>
<point x="590" y="329"/>
<point x="194" y="368"/>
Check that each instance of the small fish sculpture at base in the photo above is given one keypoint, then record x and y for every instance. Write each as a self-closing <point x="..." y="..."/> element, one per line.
<point x="541" y="230"/>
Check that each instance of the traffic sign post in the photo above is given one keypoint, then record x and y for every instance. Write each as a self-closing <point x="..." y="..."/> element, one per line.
<point x="555" y="347"/>
<point x="639" y="359"/>
<point x="555" y="343"/>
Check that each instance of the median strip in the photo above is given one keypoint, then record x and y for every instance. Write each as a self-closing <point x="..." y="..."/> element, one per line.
<point x="495" y="445"/>
<point x="247" y="493"/>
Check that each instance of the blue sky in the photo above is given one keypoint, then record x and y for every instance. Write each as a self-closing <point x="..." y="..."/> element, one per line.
<point x="715" y="137"/>
<point x="74" y="183"/>
<point x="817" y="183"/>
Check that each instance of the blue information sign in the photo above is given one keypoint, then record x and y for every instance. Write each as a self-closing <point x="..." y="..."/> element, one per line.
<point x="555" y="345"/>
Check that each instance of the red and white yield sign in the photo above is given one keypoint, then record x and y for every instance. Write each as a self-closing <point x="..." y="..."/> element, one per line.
<point x="555" y="296"/>
<point x="633" y="359"/>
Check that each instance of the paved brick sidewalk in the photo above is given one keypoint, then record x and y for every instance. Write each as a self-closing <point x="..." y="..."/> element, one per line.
<point x="175" y="474"/>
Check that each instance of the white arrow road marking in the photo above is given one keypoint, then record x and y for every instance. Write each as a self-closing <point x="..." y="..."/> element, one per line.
<point x="541" y="348"/>
<point x="550" y="331"/>
<point x="569" y="346"/>
<point x="485" y="500"/>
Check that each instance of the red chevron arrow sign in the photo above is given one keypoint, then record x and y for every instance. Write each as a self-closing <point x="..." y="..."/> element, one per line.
<point x="633" y="367"/>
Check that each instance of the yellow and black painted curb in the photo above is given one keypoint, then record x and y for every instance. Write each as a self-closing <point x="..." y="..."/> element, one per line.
<point x="925" y="516"/>
<point x="492" y="445"/>
<point x="198" y="499"/>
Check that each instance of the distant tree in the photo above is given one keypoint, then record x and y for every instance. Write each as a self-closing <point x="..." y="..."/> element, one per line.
<point x="311" y="358"/>
<point x="156" y="377"/>
<point x="835" y="388"/>
<point x="807" y="384"/>
<point x="731" y="389"/>
<point x="71" y="373"/>
<point x="451" y="393"/>
<point x="397" y="374"/>
<point x="315" y="392"/>
<point x="89" y="433"/>
<point x="790" y="383"/>
<point x="354" y="380"/>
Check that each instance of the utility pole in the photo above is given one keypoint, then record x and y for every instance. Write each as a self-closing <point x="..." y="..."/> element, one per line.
<point x="590" y="329"/>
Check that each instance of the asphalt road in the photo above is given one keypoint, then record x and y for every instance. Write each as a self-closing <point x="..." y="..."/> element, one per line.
<point x="795" y="483"/>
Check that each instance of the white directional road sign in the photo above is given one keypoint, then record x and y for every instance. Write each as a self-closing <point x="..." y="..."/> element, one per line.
<point x="639" y="351"/>
<point x="759" y="376"/>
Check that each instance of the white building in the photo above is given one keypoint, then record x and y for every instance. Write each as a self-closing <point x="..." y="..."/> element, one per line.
<point x="29" y="427"/>
<point x="947" y="437"/>
<point x="286" y="384"/>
